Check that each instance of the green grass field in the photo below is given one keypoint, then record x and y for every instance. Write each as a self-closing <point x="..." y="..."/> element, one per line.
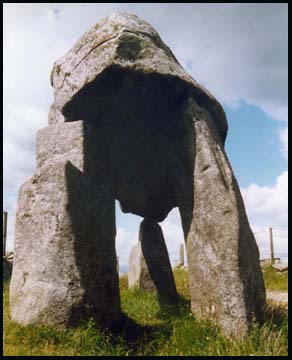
<point x="275" y="280"/>
<point x="149" y="331"/>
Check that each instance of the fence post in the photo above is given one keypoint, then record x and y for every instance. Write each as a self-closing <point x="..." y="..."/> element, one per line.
<point x="4" y="231"/>
<point x="272" y="245"/>
<point x="181" y="255"/>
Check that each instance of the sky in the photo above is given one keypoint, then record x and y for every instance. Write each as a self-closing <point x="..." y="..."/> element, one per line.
<point x="239" y="52"/>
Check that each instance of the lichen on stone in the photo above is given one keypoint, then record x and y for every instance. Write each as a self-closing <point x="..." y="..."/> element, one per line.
<point x="129" y="47"/>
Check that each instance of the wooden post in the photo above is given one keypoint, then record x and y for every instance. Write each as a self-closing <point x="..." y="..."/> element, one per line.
<point x="181" y="255"/>
<point x="272" y="245"/>
<point x="4" y="231"/>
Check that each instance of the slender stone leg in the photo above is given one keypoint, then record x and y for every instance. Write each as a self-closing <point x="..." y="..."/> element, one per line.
<point x="223" y="259"/>
<point x="64" y="261"/>
<point x="150" y="266"/>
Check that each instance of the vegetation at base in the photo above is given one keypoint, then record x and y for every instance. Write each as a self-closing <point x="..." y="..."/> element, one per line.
<point x="147" y="330"/>
<point x="274" y="280"/>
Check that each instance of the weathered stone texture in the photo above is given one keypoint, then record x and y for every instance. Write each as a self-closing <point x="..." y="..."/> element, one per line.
<point x="121" y="41"/>
<point x="152" y="138"/>
<point x="64" y="141"/>
<point x="66" y="224"/>
<point x="223" y="259"/>
<point x="124" y="41"/>
<point x="55" y="116"/>
<point x="149" y="265"/>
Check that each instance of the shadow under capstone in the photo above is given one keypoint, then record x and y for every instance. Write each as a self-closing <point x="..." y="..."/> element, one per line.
<point x="133" y="144"/>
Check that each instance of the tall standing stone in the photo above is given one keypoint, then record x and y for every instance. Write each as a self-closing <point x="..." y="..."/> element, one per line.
<point x="223" y="259"/>
<point x="64" y="258"/>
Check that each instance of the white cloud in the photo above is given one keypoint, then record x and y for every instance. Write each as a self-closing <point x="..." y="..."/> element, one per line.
<point x="19" y="133"/>
<point x="280" y="241"/>
<point x="238" y="51"/>
<point x="235" y="50"/>
<point x="173" y="235"/>
<point x="31" y="44"/>
<point x="284" y="141"/>
<point x="20" y="125"/>
<point x="268" y="207"/>
<point x="172" y="231"/>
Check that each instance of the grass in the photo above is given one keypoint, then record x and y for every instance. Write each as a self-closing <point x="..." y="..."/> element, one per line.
<point x="275" y="280"/>
<point x="147" y="330"/>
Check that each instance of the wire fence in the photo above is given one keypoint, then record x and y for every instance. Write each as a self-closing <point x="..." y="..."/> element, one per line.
<point x="264" y="238"/>
<point x="272" y="243"/>
<point x="275" y="238"/>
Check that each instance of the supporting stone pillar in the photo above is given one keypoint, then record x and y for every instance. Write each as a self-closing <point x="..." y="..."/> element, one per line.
<point x="150" y="267"/>
<point x="225" y="277"/>
<point x="64" y="261"/>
